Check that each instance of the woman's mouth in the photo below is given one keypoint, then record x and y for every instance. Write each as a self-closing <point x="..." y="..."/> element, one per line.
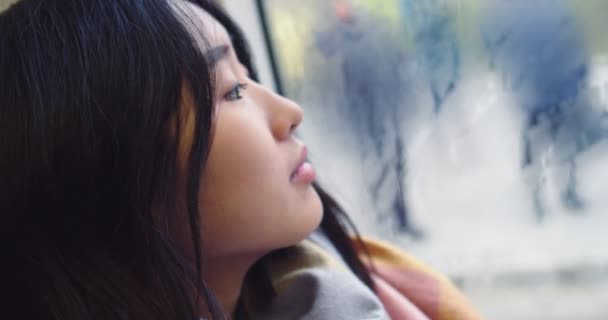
<point x="304" y="172"/>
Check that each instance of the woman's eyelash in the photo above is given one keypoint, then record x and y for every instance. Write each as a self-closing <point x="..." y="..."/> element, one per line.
<point x="236" y="93"/>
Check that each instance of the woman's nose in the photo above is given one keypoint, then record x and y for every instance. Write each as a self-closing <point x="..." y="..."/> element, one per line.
<point x="284" y="114"/>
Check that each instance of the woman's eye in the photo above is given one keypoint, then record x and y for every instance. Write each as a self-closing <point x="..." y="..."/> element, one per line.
<point x="236" y="93"/>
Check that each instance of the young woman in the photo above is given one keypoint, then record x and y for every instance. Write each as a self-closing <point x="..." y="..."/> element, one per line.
<point x="146" y="175"/>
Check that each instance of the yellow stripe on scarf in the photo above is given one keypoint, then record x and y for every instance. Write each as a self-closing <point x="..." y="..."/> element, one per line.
<point x="429" y="290"/>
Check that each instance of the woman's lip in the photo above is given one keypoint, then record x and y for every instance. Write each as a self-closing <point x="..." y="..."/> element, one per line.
<point x="304" y="172"/>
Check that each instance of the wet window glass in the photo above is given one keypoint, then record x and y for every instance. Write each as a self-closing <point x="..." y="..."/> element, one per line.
<point x="472" y="133"/>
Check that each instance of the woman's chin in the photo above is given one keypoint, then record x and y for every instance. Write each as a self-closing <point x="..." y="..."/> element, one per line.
<point x="311" y="218"/>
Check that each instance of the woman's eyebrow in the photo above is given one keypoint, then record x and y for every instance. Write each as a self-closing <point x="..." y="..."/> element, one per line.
<point x="216" y="54"/>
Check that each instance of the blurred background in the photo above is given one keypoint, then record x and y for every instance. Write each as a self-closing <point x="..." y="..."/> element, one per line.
<point x="471" y="133"/>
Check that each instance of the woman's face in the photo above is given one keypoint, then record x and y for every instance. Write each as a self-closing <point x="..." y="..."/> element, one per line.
<point x="255" y="192"/>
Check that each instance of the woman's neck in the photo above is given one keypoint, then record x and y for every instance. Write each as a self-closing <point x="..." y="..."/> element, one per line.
<point x="225" y="277"/>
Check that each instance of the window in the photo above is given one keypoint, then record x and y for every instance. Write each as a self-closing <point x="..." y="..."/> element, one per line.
<point x="472" y="133"/>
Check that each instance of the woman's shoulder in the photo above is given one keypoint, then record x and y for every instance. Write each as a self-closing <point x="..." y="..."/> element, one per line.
<point x="313" y="282"/>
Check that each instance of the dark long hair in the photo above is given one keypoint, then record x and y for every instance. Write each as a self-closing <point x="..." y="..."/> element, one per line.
<point x="87" y="90"/>
<point x="88" y="87"/>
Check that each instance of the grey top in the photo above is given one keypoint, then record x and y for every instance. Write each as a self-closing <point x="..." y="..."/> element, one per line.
<point x="322" y="287"/>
